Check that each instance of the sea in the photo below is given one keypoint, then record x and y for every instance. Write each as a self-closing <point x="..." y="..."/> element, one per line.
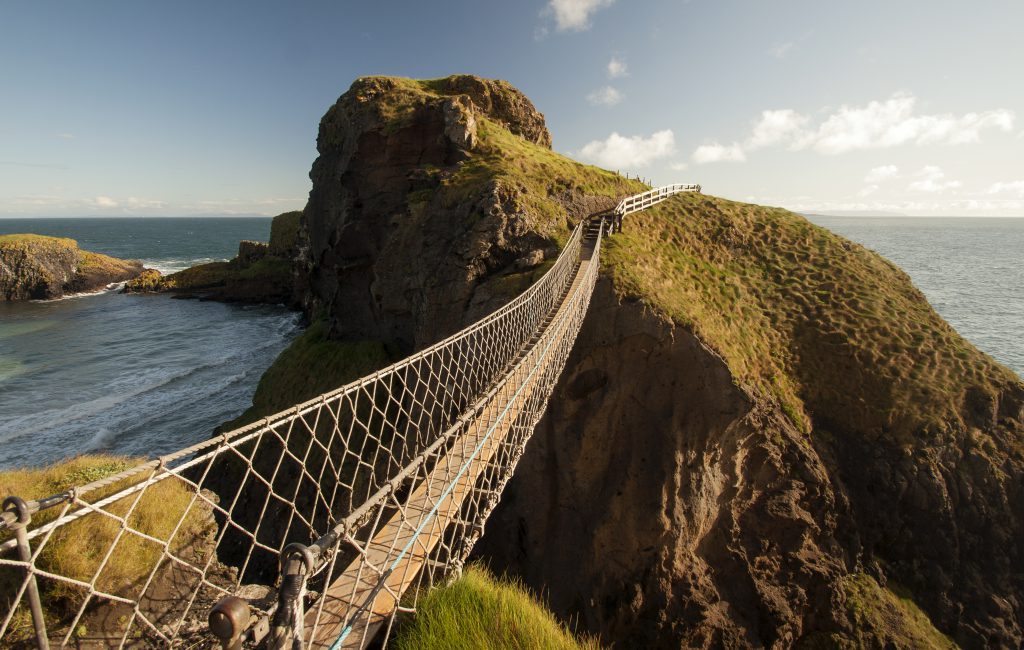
<point x="971" y="269"/>
<point x="138" y="375"/>
<point x="147" y="375"/>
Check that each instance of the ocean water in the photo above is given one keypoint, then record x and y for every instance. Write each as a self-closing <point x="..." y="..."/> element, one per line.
<point x="971" y="270"/>
<point x="130" y="374"/>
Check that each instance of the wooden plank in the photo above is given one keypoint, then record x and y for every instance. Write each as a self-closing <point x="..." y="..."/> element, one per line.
<point x="397" y="548"/>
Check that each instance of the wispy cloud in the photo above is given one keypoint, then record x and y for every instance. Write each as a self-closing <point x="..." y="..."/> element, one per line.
<point x="619" y="152"/>
<point x="780" y="50"/>
<point x="574" y="15"/>
<point x="679" y="167"/>
<point x="918" y="207"/>
<point x="18" y="163"/>
<point x="66" y="136"/>
<point x="617" y="68"/>
<point x="105" y="202"/>
<point x="605" y="96"/>
<point x="1015" y="187"/>
<point x="932" y="179"/>
<point x="714" y="152"/>
<point x="868" y="191"/>
<point x="876" y="125"/>
<point x="882" y="173"/>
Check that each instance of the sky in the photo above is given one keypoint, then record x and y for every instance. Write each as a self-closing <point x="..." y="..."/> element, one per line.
<point x="905" y="107"/>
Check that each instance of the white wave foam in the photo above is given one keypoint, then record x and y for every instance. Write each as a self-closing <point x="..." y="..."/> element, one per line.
<point x="173" y="265"/>
<point x="116" y="286"/>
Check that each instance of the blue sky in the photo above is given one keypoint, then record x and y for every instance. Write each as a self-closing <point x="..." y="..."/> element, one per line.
<point x="912" y="107"/>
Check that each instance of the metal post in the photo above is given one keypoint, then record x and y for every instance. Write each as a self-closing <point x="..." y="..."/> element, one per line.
<point x="297" y="563"/>
<point x="19" y="526"/>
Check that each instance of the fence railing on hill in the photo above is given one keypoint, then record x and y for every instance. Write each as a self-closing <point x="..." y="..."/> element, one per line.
<point x="651" y="198"/>
<point x="349" y="504"/>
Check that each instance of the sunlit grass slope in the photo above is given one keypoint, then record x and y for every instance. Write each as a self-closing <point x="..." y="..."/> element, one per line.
<point x="831" y="329"/>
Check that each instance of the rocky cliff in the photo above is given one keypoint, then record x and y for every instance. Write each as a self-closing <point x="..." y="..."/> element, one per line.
<point x="764" y="436"/>
<point x="35" y="267"/>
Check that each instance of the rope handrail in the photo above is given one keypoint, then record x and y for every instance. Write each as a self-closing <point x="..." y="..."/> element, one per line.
<point x="365" y="493"/>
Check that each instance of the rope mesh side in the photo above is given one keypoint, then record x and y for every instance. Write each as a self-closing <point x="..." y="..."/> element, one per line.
<point x="385" y="484"/>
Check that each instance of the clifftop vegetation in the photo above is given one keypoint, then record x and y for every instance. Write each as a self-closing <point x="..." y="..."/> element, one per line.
<point x="36" y="267"/>
<point x="839" y="334"/>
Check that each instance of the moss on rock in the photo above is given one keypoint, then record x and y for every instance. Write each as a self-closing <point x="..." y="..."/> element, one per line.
<point x="38" y="267"/>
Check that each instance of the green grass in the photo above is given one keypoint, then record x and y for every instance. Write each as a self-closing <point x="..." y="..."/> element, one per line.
<point x="284" y="233"/>
<point x="313" y="364"/>
<point x="77" y="549"/>
<point x="479" y="612"/>
<point x="41" y="241"/>
<point x="535" y="176"/>
<point x="832" y="331"/>
<point x="881" y="617"/>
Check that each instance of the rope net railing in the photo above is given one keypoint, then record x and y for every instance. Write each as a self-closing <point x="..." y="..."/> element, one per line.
<point x="314" y="527"/>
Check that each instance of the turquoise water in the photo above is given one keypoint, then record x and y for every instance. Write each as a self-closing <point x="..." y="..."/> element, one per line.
<point x="971" y="270"/>
<point x="129" y="374"/>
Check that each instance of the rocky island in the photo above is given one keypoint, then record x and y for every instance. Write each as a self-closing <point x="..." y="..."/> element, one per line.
<point x="35" y="267"/>
<point x="764" y="436"/>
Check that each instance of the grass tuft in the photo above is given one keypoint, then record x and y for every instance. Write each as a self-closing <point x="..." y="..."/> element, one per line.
<point x="480" y="612"/>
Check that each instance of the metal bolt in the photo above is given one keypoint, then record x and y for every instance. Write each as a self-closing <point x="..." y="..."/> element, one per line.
<point x="228" y="619"/>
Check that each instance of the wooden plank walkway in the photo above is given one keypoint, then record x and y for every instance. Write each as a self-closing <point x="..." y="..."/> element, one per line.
<point x="404" y="543"/>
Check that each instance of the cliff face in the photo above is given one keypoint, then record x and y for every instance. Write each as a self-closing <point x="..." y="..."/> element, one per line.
<point x="34" y="267"/>
<point x="764" y="435"/>
<point x="794" y="449"/>
<point x="662" y="505"/>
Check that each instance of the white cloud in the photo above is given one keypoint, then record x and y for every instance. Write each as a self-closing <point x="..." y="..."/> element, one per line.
<point x="780" y="50"/>
<point x="714" y="152"/>
<point x="951" y="207"/>
<point x="890" y="123"/>
<point x="876" y="125"/>
<point x="868" y="191"/>
<point x="617" y="68"/>
<point x="104" y="202"/>
<point x="1016" y="187"/>
<point x="606" y="96"/>
<point x="882" y="173"/>
<point x="574" y="15"/>
<point x="66" y="136"/>
<point x="932" y="179"/>
<point x="135" y="202"/>
<point x="679" y="167"/>
<point x="618" y="152"/>
<point x="775" y="127"/>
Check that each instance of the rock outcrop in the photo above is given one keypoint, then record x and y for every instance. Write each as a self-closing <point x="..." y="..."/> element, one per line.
<point x="402" y="224"/>
<point x="261" y="273"/>
<point x="764" y="437"/>
<point x="35" y="267"/>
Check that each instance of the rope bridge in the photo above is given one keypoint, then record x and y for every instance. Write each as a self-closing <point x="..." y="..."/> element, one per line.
<point x="352" y="503"/>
